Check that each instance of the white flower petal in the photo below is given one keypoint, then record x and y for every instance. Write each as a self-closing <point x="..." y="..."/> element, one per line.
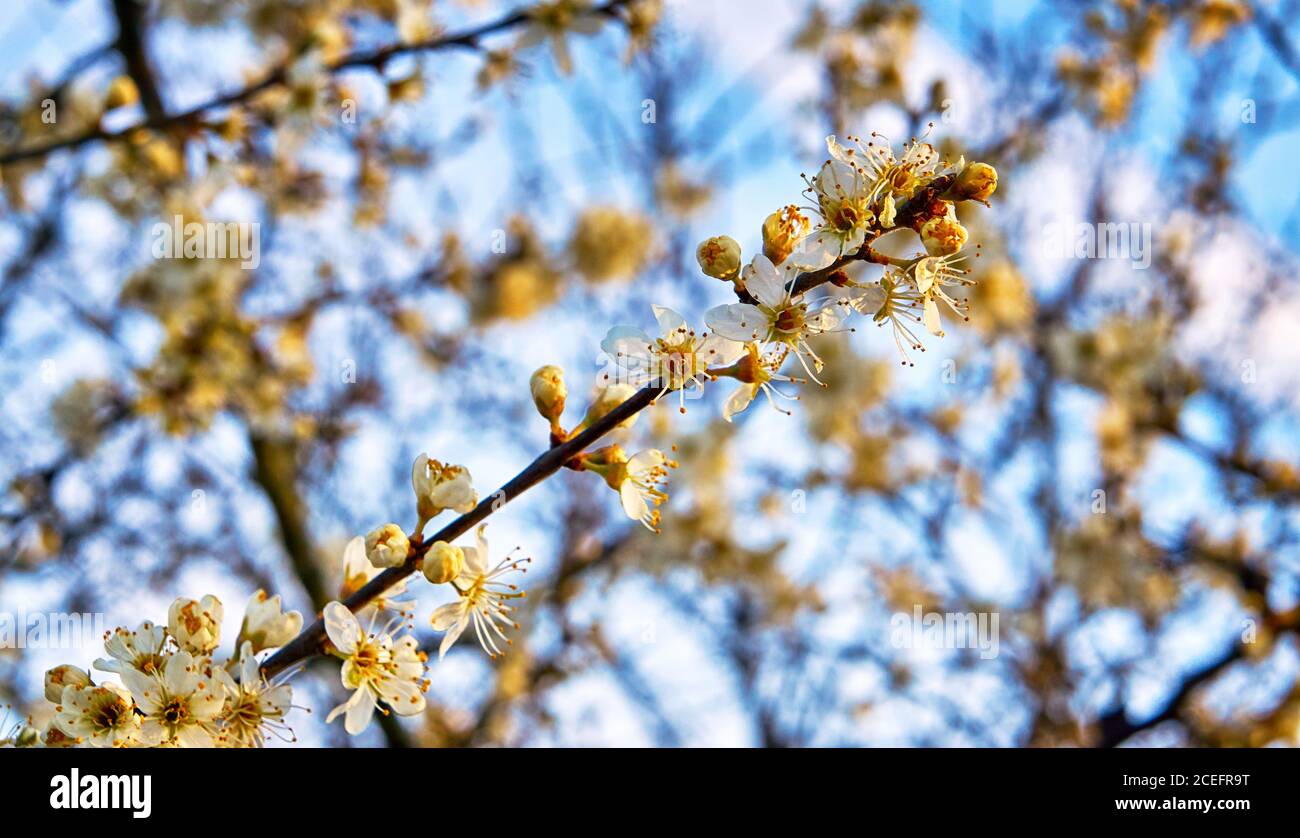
<point x="629" y="347"/>
<point x="194" y="736"/>
<point x="738" y="321"/>
<point x="341" y="627"/>
<point x="634" y="505"/>
<point x="818" y="249"/>
<point x="644" y="460"/>
<point x="739" y="401"/>
<point x="932" y="317"/>
<point x="402" y="696"/>
<point x="360" y="712"/>
<point x="444" y="617"/>
<point x="669" y="321"/>
<point x="868" y="299"/>
<point x="144" y="688"/>
<point x="354" y="558"/>
<point x="828" y="317"/>
<point x="453" y="635"/>
<point x="764" y="282"/>
<point x="717" y="350"/>
<point x="180" y="675"/>
<point x="838" y="151"/>
<point x="420" y="474"/>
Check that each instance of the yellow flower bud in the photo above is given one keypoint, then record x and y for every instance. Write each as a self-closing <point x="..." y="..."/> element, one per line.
<point x="387" y="546"/>
<point x="976" y="182"/>
<point x="943" y="236"/>
<point x="609" y="397"/>
<point x="549" y="393"/>
<point x="719" y="257"/>
<point x="62" y="676"/>
<point x="443" y="562"/>
<point x="121" y="93"/>
<point x="782" y="231"/>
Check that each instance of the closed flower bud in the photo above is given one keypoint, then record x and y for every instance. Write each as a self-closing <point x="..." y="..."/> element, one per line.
<point x="443" y="562"/>
<point x="121" y="93"/>
<point x="264" y="626"/>
<point x="976" y="182"/>
<point x="943" y="236"/>
<point x="387" y="546"/>
<point x="609" y="397"/>
<point x="782" y="232"/>
<point x="719" y="257"/>
<point x="63" y="676"/>
<point x="549" y="393"/>
<point x="196" y="625"/>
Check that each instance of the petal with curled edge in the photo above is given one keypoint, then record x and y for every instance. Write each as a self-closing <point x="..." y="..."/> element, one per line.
<point x="868" y="299"/>
<point x="480" y="562"/>
<point x="420" y="474"/>
<point x="739" y="400"/>
<point x="837" y="151"/>
<point x="670" y="321"/>
<point x="249" y="672"/>
<point x="341" y="627"/>
<point x="454" y="633"/>
<point x="645" y="460"/>
<point x="342" y="708"/>
<point x="634" y="505"/>
<point x="445" y="616"/>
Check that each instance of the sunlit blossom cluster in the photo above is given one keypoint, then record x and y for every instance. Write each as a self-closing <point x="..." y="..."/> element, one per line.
<point x="172" y="687"/>
<point x="174" y="691"/>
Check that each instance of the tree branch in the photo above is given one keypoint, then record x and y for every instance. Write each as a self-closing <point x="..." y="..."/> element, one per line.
<point x="311" y="641"/>
<point x="376" y="58"/>
<point x="131" y="44"/>
<point x="1115" y="727"/>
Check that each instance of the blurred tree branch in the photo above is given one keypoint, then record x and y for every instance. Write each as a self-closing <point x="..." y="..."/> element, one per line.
<point x="132" y="45"/>
<point x="374" y="58"/>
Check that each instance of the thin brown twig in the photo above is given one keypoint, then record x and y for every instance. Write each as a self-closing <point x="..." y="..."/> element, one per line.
<point x="375" y="58"/>
<point x="310" y="641"/>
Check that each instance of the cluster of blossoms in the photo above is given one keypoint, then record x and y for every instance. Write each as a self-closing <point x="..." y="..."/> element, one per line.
<point x="387" y="672"/>
<point x="174" y="693"/>
<point x="171" y="689"/>
<point x="861" y="193"/>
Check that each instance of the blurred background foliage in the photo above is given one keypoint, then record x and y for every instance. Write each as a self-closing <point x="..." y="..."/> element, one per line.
<point x="451" y="194"/>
